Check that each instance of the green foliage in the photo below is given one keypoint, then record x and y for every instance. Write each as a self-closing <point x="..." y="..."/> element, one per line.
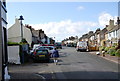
<point x="117" y="53"/>
<point x="112" y="51"/>
<point x="106" y="49"/>
<point x="16" y="43"/>
<point x="115" y="44"/>
<point x="23" y="41"/>
<point x="113" y="47"/>
<point x="12" y="43"/>
<point x="101" y="48"/>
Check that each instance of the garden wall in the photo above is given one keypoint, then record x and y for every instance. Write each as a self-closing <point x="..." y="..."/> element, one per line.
<point x="13" y="54"/>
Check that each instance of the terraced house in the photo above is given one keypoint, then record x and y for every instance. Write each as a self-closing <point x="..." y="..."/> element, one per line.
<point x="113" y="33"/>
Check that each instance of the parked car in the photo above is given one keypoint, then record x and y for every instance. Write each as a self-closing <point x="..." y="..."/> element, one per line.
<point x="75" y="45"/>
<point x="47" y="44"/>
<point x="41" y="54"/>
<point x="34" y="47"/>
<point x="69" y="45"/>
<point x="82" y="46"/>
<point x="50" y="49"/>
<point x="58" y="45"/>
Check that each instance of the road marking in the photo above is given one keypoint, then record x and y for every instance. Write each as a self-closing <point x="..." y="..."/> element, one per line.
<point x="53" y="75"/>
<point x="44" y="79"/>
<point x="41" y="72"/>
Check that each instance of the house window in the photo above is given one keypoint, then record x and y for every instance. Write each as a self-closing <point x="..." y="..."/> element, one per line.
<point x="109" y="36"/>
<point x="116" y="33"/>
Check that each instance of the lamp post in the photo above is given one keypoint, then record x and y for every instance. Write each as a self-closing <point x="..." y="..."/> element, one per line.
<point x="21" y="18"/>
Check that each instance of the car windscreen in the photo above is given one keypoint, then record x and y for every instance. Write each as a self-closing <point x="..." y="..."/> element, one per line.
<point x="59" y="44"/>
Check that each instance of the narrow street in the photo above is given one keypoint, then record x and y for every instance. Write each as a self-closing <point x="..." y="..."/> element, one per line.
<point x="72" y="65"/>
<point x="32" y="30"/>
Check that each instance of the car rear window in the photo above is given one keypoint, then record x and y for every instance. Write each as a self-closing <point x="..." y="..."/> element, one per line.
<point x="42" y="51"/>
<point x="49" y="48"/>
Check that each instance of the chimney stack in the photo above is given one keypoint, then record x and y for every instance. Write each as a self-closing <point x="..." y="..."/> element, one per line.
<point x="111" y="22"/>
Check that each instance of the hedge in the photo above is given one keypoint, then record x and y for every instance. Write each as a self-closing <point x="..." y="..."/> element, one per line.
<point x="106" y="49"/>
<point x="117" y="53"/>
<point x="112" y="51"/>
<point x="12" y="43"/>
<point x="101" y="48"/>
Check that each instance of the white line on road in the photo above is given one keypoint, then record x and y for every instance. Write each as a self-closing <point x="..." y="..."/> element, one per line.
<point x="44" y="79"/>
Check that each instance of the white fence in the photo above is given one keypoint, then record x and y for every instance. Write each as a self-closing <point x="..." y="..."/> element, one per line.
<point x="13" y="54"/>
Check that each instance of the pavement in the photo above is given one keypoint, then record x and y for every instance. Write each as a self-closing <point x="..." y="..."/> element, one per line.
<point x="27" y="72"/>
<point x="114" y="59"/>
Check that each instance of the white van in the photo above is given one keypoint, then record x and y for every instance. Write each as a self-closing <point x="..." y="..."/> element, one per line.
<point x="82" y="46"/>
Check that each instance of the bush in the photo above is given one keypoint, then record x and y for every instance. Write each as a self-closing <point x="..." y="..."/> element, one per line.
<point x="115" y="44"/>
<point x="101" y="48"/>
<point x="23" y="41"/>
<point x="106" y="49"/>
<point x="117" y="53"/>
<point x="12" y="43"/>
<point x="111" y="51"/>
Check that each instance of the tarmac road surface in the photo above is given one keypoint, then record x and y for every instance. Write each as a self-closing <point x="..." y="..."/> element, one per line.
<point x="72" y="65"/>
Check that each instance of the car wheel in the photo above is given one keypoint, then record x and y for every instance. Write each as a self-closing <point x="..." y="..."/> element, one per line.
<point x="35" y="61"/>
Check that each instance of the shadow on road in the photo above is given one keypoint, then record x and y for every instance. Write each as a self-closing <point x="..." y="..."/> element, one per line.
<point x="70" y="76"/>
<point x="88" y="76"/>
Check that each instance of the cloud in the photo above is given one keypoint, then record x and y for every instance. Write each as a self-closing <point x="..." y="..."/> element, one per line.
<point x="80" y="8"/>
<point x="104" y="19"/>
<point x="62" y="0"/>
<point x="64" y="29"/>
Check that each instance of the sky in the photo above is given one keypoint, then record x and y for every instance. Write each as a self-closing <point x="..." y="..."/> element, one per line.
<point x="63" y="19"/>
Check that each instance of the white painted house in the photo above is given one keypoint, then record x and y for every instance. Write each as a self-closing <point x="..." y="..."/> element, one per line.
<point x="14" y="33"/>
<point x="113" y="32"/>
<point x="118" y="33"/>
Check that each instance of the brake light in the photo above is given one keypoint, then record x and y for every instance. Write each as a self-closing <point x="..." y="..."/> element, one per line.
<point x="34" y="53"/>
<point x="50" y="54"/>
